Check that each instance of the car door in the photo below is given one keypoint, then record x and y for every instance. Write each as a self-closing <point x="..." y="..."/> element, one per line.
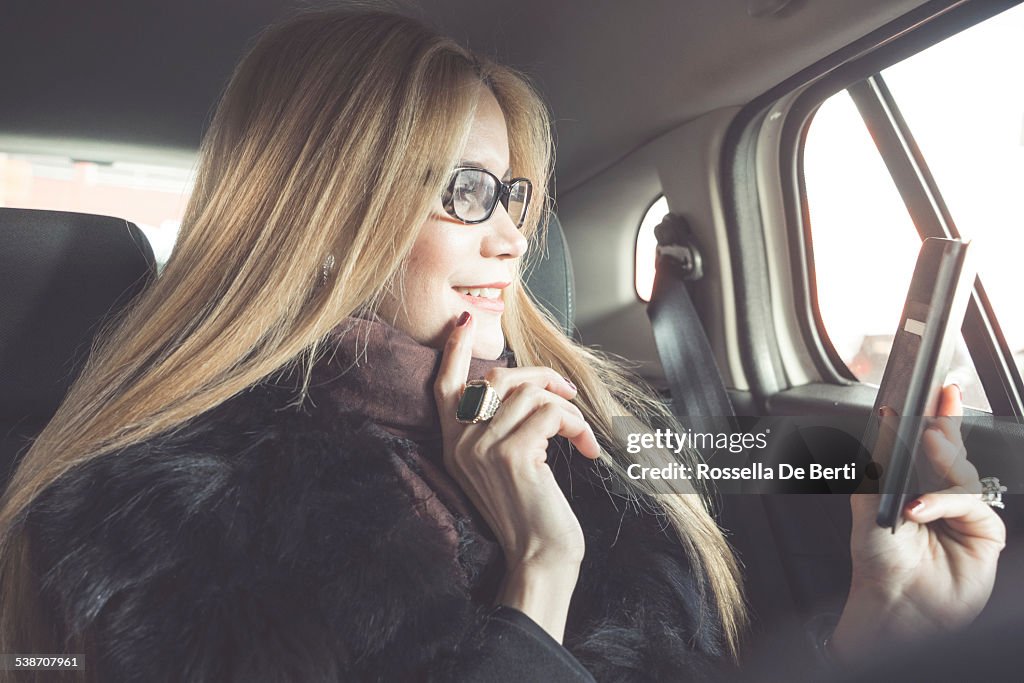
<point x="761" y="183"/>
<point x="831" y="181"/>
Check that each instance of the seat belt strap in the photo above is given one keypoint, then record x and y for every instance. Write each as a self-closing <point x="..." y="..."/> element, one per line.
<point x="699" y="398"/>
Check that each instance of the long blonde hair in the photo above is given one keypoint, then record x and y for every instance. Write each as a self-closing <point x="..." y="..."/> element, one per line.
<point x="334" y="136"/>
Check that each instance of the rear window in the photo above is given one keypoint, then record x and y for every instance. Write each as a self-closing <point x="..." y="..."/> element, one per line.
<point x="646" y="252"/>
<point x="152" y="196"/>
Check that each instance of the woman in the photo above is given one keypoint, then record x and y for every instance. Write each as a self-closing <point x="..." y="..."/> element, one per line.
<point x="269" y="469"/>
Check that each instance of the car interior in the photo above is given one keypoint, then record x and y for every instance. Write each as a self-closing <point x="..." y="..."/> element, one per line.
<point x="801" y="151"/>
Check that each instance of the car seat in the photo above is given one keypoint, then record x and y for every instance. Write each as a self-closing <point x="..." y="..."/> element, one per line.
<point x="61" y="275"/>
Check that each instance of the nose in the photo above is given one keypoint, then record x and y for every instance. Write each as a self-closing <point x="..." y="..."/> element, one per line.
<point x="503" y="239"/>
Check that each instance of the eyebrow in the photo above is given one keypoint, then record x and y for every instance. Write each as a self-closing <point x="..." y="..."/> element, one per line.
<point x="476" y="164"/>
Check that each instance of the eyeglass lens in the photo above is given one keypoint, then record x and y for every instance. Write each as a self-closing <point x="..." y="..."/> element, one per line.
<point x="518" y="200"/>
<point x="475" y="192"/>
<point x="473" y="195"/>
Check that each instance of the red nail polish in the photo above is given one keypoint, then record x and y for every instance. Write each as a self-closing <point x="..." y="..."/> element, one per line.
<point x="916" y="505"/>
<point x="463" y="319"/>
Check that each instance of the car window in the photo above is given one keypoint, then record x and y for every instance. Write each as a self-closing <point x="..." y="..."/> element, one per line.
<point x="152" y="196"/>
<point x="647" y="247"/>
<point x="964" y="102"/>
<point x="961" y="102"/>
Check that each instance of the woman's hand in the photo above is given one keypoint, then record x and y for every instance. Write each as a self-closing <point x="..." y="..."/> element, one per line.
<point x="936" y="572"/>
<point x="501" y="465"/>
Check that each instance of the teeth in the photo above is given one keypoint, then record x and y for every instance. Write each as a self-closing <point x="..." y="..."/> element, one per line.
<point x="483" y="293"/>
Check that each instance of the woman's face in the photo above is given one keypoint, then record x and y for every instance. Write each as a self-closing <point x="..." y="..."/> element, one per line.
<point x="449" y="257"/>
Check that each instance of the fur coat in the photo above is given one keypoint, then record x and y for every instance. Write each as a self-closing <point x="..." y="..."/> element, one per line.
<point x="266" y="543"/>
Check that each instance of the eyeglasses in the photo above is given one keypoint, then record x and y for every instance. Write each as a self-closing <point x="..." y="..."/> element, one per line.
<point x="473" y="194"/>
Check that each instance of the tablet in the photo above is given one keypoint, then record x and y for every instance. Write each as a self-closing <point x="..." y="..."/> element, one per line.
<point x="922" y="352"/>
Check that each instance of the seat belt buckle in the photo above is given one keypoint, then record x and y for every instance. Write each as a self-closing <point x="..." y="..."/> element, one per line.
<point x="677" y="250"/>
<point x="685" y="259"/>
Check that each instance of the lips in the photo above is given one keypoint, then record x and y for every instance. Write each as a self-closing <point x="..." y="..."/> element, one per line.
<point x="484" y="296"/>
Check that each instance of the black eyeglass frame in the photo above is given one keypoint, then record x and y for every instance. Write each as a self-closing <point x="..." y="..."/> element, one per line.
<point x="447" y="199"/>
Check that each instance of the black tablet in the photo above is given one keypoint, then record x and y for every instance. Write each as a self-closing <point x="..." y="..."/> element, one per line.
<point x="922" y="351"/>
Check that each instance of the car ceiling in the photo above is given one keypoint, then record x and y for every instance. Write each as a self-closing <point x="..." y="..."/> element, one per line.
<point x="615" y="74"/>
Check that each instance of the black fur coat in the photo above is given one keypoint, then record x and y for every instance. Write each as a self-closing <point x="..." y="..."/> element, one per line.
<point x="261" y="543"/>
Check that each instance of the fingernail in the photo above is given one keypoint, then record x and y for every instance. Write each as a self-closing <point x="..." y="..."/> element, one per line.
<point x="959" y="391"/>
<point x="569" y="382"/>
<point x="916" y="505"/>
<point x="463" y="319"/>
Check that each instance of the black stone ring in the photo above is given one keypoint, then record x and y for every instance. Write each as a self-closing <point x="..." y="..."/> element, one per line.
<point x="478" y="403"/>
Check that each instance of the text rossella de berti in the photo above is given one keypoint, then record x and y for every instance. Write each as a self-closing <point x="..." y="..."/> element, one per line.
<point x="709" y="442"/>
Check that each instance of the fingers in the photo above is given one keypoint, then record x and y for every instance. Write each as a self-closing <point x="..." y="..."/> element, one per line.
<point x="547" y="388"/>
<point x="951" y="401"/>
<point x="454" y="371"/>
<point x="530" y="410"/>
<point x="451" y="377"/>
<point x="949" y="459"/>
<point x="949" y="412"/>
<point x="505" y="380"/>
<point x="962" y="512"/>
<point x="550" y="419"/>
<point x="944" y="446"/>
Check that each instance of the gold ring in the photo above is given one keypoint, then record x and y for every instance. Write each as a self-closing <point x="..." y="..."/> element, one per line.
<point x="478" y="403"/>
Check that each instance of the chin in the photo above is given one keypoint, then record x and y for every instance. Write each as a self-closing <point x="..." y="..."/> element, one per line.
<point x="488" y="346"/>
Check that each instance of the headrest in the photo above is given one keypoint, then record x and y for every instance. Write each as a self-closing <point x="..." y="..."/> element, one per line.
<point x="549" y="277"/>
<point x="61" y="274"/>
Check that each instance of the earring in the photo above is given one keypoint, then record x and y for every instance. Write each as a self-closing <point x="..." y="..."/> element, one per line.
<point x="326" y="268"/>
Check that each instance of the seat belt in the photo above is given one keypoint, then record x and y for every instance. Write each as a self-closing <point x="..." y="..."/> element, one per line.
<point x="699" y="398"/>
<point x="772" y="550"/>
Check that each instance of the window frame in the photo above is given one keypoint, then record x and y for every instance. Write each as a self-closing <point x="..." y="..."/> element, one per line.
<point x="899" y="40"/>
<point x="908" y="168"/>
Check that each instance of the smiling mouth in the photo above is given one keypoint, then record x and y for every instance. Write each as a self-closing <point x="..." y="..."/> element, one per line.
<point x="491" y="293"/>
<point x="486" y="298"/>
